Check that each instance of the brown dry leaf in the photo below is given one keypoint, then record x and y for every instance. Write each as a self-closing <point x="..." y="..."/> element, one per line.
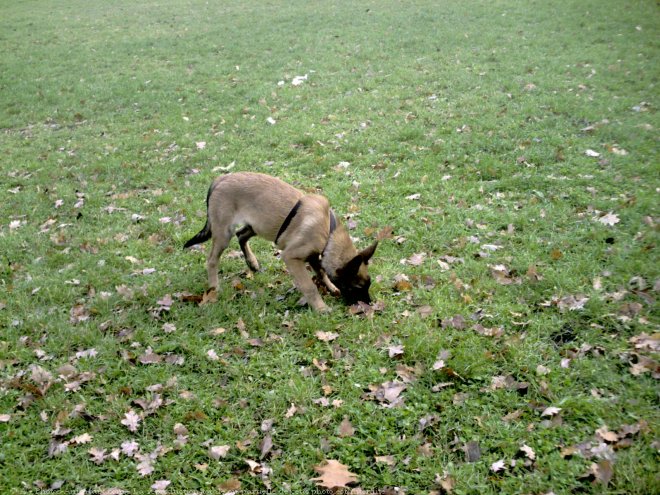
<point x="402" y="283"/>
<point x="608" y="436"/>
<point x="160" y="487"/>
<point x="528" y="452"/>
<point x="80" y="439"/>
<point x="231" y="485"/>
<point x="131" y="420"/>
<point x="457" y="322"/>
<point x="326" y="336"/>
<point x="572" y="303"/>
<point x="533" y="274"/>
<point x="291" y="411"/>
<point x="446" y="482"/>
<point x="503" y="276"/>
<point x="416" y="259"/>
<point x="609" y="219"/>
<point x="385" y="459"/>
<point x="150" y="357"/>
<point x="385" y="233"/>
<point x="388" y="394"/>
<point x="601" y="472"/>
<point x="425" y="311"/>
<point x="218" y="452"/>
<point x="334" y="475"/>
<point x="366" y="310"/>
<point x="395" y="350"/>
<point x="488" y="332"/>
<point x="551" y="411"/>
<point x="78" y="314"/>
<point x="266" y="445"/>
<point x="210" y="296"/>
<point x="645" y="342"/>
<point x="98" y="455"/>
<point x="346" y="428"/>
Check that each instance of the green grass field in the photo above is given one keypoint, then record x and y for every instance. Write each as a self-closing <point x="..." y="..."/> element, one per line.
<point x="512" y="148"/>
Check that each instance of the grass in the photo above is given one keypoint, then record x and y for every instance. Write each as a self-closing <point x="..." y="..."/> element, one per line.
<point x="483" y="111"/>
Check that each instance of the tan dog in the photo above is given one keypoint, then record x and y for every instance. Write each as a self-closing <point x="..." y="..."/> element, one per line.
<point x="302" y="225"/>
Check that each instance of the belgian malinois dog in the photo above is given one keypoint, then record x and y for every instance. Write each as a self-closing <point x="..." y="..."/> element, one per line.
<point x="302" y="225"/>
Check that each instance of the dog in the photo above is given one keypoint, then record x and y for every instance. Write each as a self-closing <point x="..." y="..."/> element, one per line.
<point x="303" y="226"/>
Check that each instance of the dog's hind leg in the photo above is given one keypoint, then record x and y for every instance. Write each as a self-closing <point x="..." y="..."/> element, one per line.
<point x="244" y="235"/>
<point x="220" y="242"/>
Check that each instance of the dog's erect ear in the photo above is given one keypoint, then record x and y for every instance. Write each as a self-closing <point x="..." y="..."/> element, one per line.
<point x="367" y="253"/>
<point x="351" y="268"/>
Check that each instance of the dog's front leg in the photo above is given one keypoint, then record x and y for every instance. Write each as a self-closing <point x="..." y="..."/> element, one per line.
<point x="303" y="280"/>
<point x="315" y="262"/>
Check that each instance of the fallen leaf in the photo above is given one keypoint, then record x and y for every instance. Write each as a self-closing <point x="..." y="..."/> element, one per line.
<point x="502" y="275"/>
<point x="334" y="475"/>
<point x="395" y="350"/>
<point x="415" y="260"/>
<point x="326" y="336"/>
<point x="457" y="322"/>
<point x="551" y="411"/>
<point x="291" y="411"/>
<point x="210" y="296"/>
<point x="572" y="303"/>
<point x="160" y="486"/>
<point x="645" y="342"/>
<point x="425" y="311"/>
<point x="150" y="357"/>
<point x="346" y="428"/>
<point x="385" y="459"/>
<point x="218" y="452"/>
<point x="130" y="448"/>
<point x="528" y="451"/>
<point x="609" y="219"/>
<point x="232" y="485"/>
<point x="385" y="233"/>
<point x="131" y="420"/>
<point x="609" y="436"/>
<point x="98" y="455"/>
<point x="601" y="472"/>
<point x="266" y="445"/>
<point x="446" y="482"/>
<point x="80" y="439"/>
<point x="497" y="466"/>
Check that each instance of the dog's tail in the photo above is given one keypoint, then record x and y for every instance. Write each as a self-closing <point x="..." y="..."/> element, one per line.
<point x="204" y="234"/>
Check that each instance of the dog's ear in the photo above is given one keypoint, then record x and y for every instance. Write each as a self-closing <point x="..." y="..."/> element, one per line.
<point x="367" y="253"/>
<point x="351" y="268"/>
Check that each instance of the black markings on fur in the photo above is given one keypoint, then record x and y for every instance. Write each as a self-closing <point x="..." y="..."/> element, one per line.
<point x="333" y="222"/>
<point x="204" y="234"/>
<point x="287" y="220"/>
<point x="244" y="235"/>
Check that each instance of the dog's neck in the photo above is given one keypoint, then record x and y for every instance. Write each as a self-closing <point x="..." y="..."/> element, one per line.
<point x="338" y="252"/>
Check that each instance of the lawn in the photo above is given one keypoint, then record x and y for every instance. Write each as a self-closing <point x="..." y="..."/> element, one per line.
<point x="505" y="152"/>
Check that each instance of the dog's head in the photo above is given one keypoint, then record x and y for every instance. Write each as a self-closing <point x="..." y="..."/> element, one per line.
<point x="353" y="279"/>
